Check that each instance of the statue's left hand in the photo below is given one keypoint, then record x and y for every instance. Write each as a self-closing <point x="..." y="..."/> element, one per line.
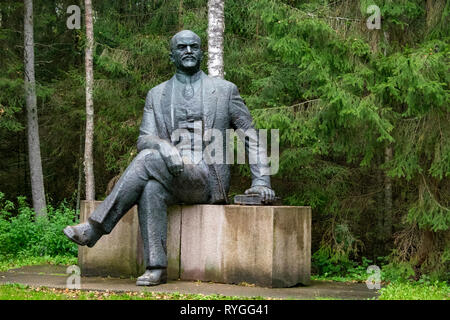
<point x="172" y="158"/>
<point x="266" y="193"/>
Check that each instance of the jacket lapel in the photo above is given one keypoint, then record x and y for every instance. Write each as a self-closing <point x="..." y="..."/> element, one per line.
<point x="165" y="108"/>
<point x="209" y="100"/>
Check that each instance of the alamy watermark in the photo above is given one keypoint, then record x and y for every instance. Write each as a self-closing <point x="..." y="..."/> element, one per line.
<point x="374" y="279"/>
<point x="74" y="20"/>
<point x="374" y="21"/>
<point x="214" y="146"/>
<point x="74" y="279"/>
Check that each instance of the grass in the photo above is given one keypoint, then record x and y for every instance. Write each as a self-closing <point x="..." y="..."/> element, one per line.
<point x="22" y="292"/>
<point x="17" y="262"/>
<point x="415" y="291"/>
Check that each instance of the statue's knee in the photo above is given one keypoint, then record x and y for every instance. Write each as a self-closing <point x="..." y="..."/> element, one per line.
<point x="154" y="192"/>
<point x="148" y="154"/>
<point x="153" y="157"/>
<point x="145" y="152"/>
<point x="153" y="186"/>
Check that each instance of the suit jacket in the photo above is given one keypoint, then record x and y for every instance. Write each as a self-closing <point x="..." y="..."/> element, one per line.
<point x="223" y="109"/>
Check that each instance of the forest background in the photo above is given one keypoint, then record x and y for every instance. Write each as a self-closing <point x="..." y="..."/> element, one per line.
<point x="363" y="114"/>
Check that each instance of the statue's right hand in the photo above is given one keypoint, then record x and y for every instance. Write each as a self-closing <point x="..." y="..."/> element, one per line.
<point x="172" y="158"/>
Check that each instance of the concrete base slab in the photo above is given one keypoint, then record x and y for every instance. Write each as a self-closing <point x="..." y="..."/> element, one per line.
<point x="268" y="246"/>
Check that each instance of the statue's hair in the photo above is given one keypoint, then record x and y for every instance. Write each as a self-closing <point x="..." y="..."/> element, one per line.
<point x="174" y="38"/>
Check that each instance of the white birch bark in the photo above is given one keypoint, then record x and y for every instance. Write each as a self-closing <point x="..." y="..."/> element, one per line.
<point x="216" y="28"/>
<point x="34" y="150"/>
<point x="89" y="138"/>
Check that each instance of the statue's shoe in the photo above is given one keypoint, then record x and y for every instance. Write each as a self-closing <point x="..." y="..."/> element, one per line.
<point x="152" y="277"/>
<point x="83" y="234"/>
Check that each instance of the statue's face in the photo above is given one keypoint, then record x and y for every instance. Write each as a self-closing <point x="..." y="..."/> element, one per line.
<point x="186" y="53"/>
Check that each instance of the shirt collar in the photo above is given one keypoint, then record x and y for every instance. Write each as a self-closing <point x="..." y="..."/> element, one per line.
<point x="184" y="78"/>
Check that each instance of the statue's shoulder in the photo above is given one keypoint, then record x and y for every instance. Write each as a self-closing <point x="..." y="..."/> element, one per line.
<point x="222" y="83"/>
<point x="157" y="90"/>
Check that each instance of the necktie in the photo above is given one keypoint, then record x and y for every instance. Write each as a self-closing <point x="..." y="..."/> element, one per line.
<point x="188" y="90"/>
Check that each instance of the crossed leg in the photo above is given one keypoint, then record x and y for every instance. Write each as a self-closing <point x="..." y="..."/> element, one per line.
<point x="147" y="166"/>
<point x="148" y="183"/>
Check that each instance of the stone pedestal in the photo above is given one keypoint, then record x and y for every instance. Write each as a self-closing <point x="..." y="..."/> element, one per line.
<point x="264" y="245"/>
<point x="268" y="246"/>
<point x="120" y="253"/>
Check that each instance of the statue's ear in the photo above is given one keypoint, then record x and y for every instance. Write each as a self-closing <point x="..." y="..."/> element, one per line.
<point x="171" y="57"/>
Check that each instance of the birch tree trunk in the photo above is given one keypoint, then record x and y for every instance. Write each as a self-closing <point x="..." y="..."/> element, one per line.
<point x="89" y="138"/>
<point x="34" y="150"/>
<point x="80" y="171"/>
<point x="216" y="28"/>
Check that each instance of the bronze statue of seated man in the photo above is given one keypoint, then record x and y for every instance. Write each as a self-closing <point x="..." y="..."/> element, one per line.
<point x="162" y="173"/>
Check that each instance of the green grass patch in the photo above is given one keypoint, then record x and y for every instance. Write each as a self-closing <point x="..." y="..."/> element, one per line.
<point x="9" y="262"/>
<point x="22" y="292"/>
<point x="415" y="291"/>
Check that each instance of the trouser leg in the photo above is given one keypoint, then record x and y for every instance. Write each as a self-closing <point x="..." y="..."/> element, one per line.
<point x="152" y="210"/>
<point x="147" y="165"/>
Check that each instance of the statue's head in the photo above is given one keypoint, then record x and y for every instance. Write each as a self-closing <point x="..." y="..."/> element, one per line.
<point x="186" y="52"/>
